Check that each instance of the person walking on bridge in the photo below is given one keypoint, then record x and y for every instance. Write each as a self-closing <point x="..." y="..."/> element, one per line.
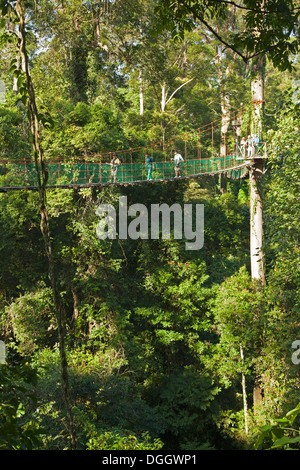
<point x="115" y="162"/>
<point x="149" y="165"/>
<point x="177" y="160"/>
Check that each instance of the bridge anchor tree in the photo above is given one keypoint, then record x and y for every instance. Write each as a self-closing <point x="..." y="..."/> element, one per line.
<point x="256" y="205"/>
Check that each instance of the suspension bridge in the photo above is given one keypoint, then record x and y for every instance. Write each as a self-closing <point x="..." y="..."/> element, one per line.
<point x="200" y="150"/>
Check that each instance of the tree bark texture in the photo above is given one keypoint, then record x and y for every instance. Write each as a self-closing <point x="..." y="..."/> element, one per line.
<point x="256" y="172"/>
<point x="256" y="223"/>
<point x="141" y="92"/>
<point x="225" y="108"/>
<point x="257" y="94"/>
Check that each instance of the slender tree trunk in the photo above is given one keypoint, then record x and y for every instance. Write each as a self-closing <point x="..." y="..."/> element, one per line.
<point x="141" y="80"/>
<point x="244" y="391"/>
<point x="163" y="98"/>
<point x="141" y="92"/>
<point x="163" y="107"/>
<point x="225" y="107"/>
<point x="42" y="176"/>
<point x="2" y="353"/>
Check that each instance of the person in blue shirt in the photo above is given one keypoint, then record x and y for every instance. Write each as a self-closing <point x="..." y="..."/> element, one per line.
<point x="149" y="165"/>
<point x="256" y="142"/>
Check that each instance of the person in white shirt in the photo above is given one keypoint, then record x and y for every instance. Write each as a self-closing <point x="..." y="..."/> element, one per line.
<point x="115" y="162"/>
<point x="243" y="147"/>
<point x="250" y="146"/>
<point x="177" y="159"/>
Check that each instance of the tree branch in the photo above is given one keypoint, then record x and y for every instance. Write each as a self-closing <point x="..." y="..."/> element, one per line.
<point x="177" y="89"/>
<point x="230" y="46"/>
<point x="244" y="57"/>
<point x="230" y="2"/>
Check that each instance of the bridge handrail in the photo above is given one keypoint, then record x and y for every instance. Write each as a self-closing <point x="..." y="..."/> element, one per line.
<point x="22" y="173"/>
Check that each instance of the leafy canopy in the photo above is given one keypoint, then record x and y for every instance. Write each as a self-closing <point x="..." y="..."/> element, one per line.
<point x="269" y="28"/>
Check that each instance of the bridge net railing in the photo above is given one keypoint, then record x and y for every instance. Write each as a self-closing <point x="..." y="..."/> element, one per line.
<point x="200" y="149"/>
<point x="22" y="174"/>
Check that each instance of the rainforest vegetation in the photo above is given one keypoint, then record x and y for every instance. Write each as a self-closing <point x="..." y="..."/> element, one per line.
<point x="142" y="344"/>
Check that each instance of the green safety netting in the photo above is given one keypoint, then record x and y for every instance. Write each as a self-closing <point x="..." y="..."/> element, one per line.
<point x="23" y="174"/>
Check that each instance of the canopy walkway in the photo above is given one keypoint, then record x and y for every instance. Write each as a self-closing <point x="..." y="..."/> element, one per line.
<point x="198" y="149"/>
<point x="22" y="175"/>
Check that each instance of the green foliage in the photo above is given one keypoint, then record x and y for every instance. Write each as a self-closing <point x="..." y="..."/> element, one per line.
<point x="114" y="440"/>
<point x="184" y="398"/>
<point x="239" y="310"/>
<point x="18" y="431"/>
<point x="33" y="320"/>
<point x="282" y="203"/>
<point x="105" y="402"/>
<point x="283" y="433"/>
<point x="84" y="130"/>
<point x="121" y="405"/>
<point x="153" y="332"/>
<point x="14" y="141"/>
<point x="21" y="248"/>
<point x="276" y="23"/>
<point x="238" y="305"/>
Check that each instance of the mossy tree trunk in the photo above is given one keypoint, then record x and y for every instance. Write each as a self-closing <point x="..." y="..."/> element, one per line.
<point x="42" y="177"/>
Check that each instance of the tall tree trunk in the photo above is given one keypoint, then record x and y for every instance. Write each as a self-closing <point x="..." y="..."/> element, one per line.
<point x="257" y="94"/>
<point x="42" y="177"/>
<point x="256" y="207"/>
<point x="225" y="108"/>
<point x="256" y="223"/>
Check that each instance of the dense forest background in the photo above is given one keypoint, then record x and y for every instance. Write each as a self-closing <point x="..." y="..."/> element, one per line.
<point x="153" y="332"/>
